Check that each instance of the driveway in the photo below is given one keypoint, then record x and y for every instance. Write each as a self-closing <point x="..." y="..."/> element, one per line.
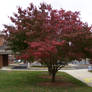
<point x="82" y="75"/>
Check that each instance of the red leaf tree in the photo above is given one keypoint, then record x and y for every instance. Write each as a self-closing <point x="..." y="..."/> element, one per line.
<point x="52" y="37"/>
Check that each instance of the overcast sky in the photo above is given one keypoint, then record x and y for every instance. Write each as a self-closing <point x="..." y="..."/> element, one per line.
<point x="8" y="7"/>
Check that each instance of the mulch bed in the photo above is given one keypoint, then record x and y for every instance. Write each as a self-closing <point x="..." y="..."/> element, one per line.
<point x="60" y="82"/>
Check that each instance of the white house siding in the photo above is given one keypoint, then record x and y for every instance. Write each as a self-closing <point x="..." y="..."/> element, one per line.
<point x="81" y="62"/>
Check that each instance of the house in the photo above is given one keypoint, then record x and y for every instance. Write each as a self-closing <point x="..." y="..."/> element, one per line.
<point x="3" y="52"/>
<point x="83" y="61"/>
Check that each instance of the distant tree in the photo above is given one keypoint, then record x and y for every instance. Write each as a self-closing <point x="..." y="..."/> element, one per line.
<point x="53" y="37"/>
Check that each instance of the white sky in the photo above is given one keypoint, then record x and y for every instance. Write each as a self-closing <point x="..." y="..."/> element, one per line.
<point x="8" y="7"/>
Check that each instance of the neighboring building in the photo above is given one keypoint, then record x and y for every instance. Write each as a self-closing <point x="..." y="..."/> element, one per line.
<point x="81" y="62"/>
<point x="3" y="52"/>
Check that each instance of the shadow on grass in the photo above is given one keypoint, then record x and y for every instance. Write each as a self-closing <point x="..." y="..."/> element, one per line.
<point x="29" y="81"/>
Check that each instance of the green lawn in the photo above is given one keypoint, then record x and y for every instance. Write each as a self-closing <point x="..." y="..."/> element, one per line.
<point x="32" y="81"/>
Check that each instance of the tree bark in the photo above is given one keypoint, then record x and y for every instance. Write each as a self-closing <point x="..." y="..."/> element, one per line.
<point x="53" y="77"/>
<point x="28" y="65"/>
<point x="49" y="70"/>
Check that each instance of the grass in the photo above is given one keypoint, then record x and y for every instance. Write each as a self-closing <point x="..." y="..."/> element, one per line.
<point x="28" y="81"/>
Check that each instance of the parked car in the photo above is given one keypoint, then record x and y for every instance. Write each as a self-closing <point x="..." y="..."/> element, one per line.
<point x="17" y="61"/>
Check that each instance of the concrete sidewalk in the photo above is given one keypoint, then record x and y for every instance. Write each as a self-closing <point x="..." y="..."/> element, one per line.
<point x="82" y="75"/>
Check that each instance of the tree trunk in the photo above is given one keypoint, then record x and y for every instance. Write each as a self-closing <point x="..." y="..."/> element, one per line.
<point x="28" y="65"/>
<point x="53" y="77"/>
<point x="49" y="70"/>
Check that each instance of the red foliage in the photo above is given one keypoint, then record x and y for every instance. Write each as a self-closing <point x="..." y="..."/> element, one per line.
<point x="43" y="49"/>
<point x="48" y="33"/>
